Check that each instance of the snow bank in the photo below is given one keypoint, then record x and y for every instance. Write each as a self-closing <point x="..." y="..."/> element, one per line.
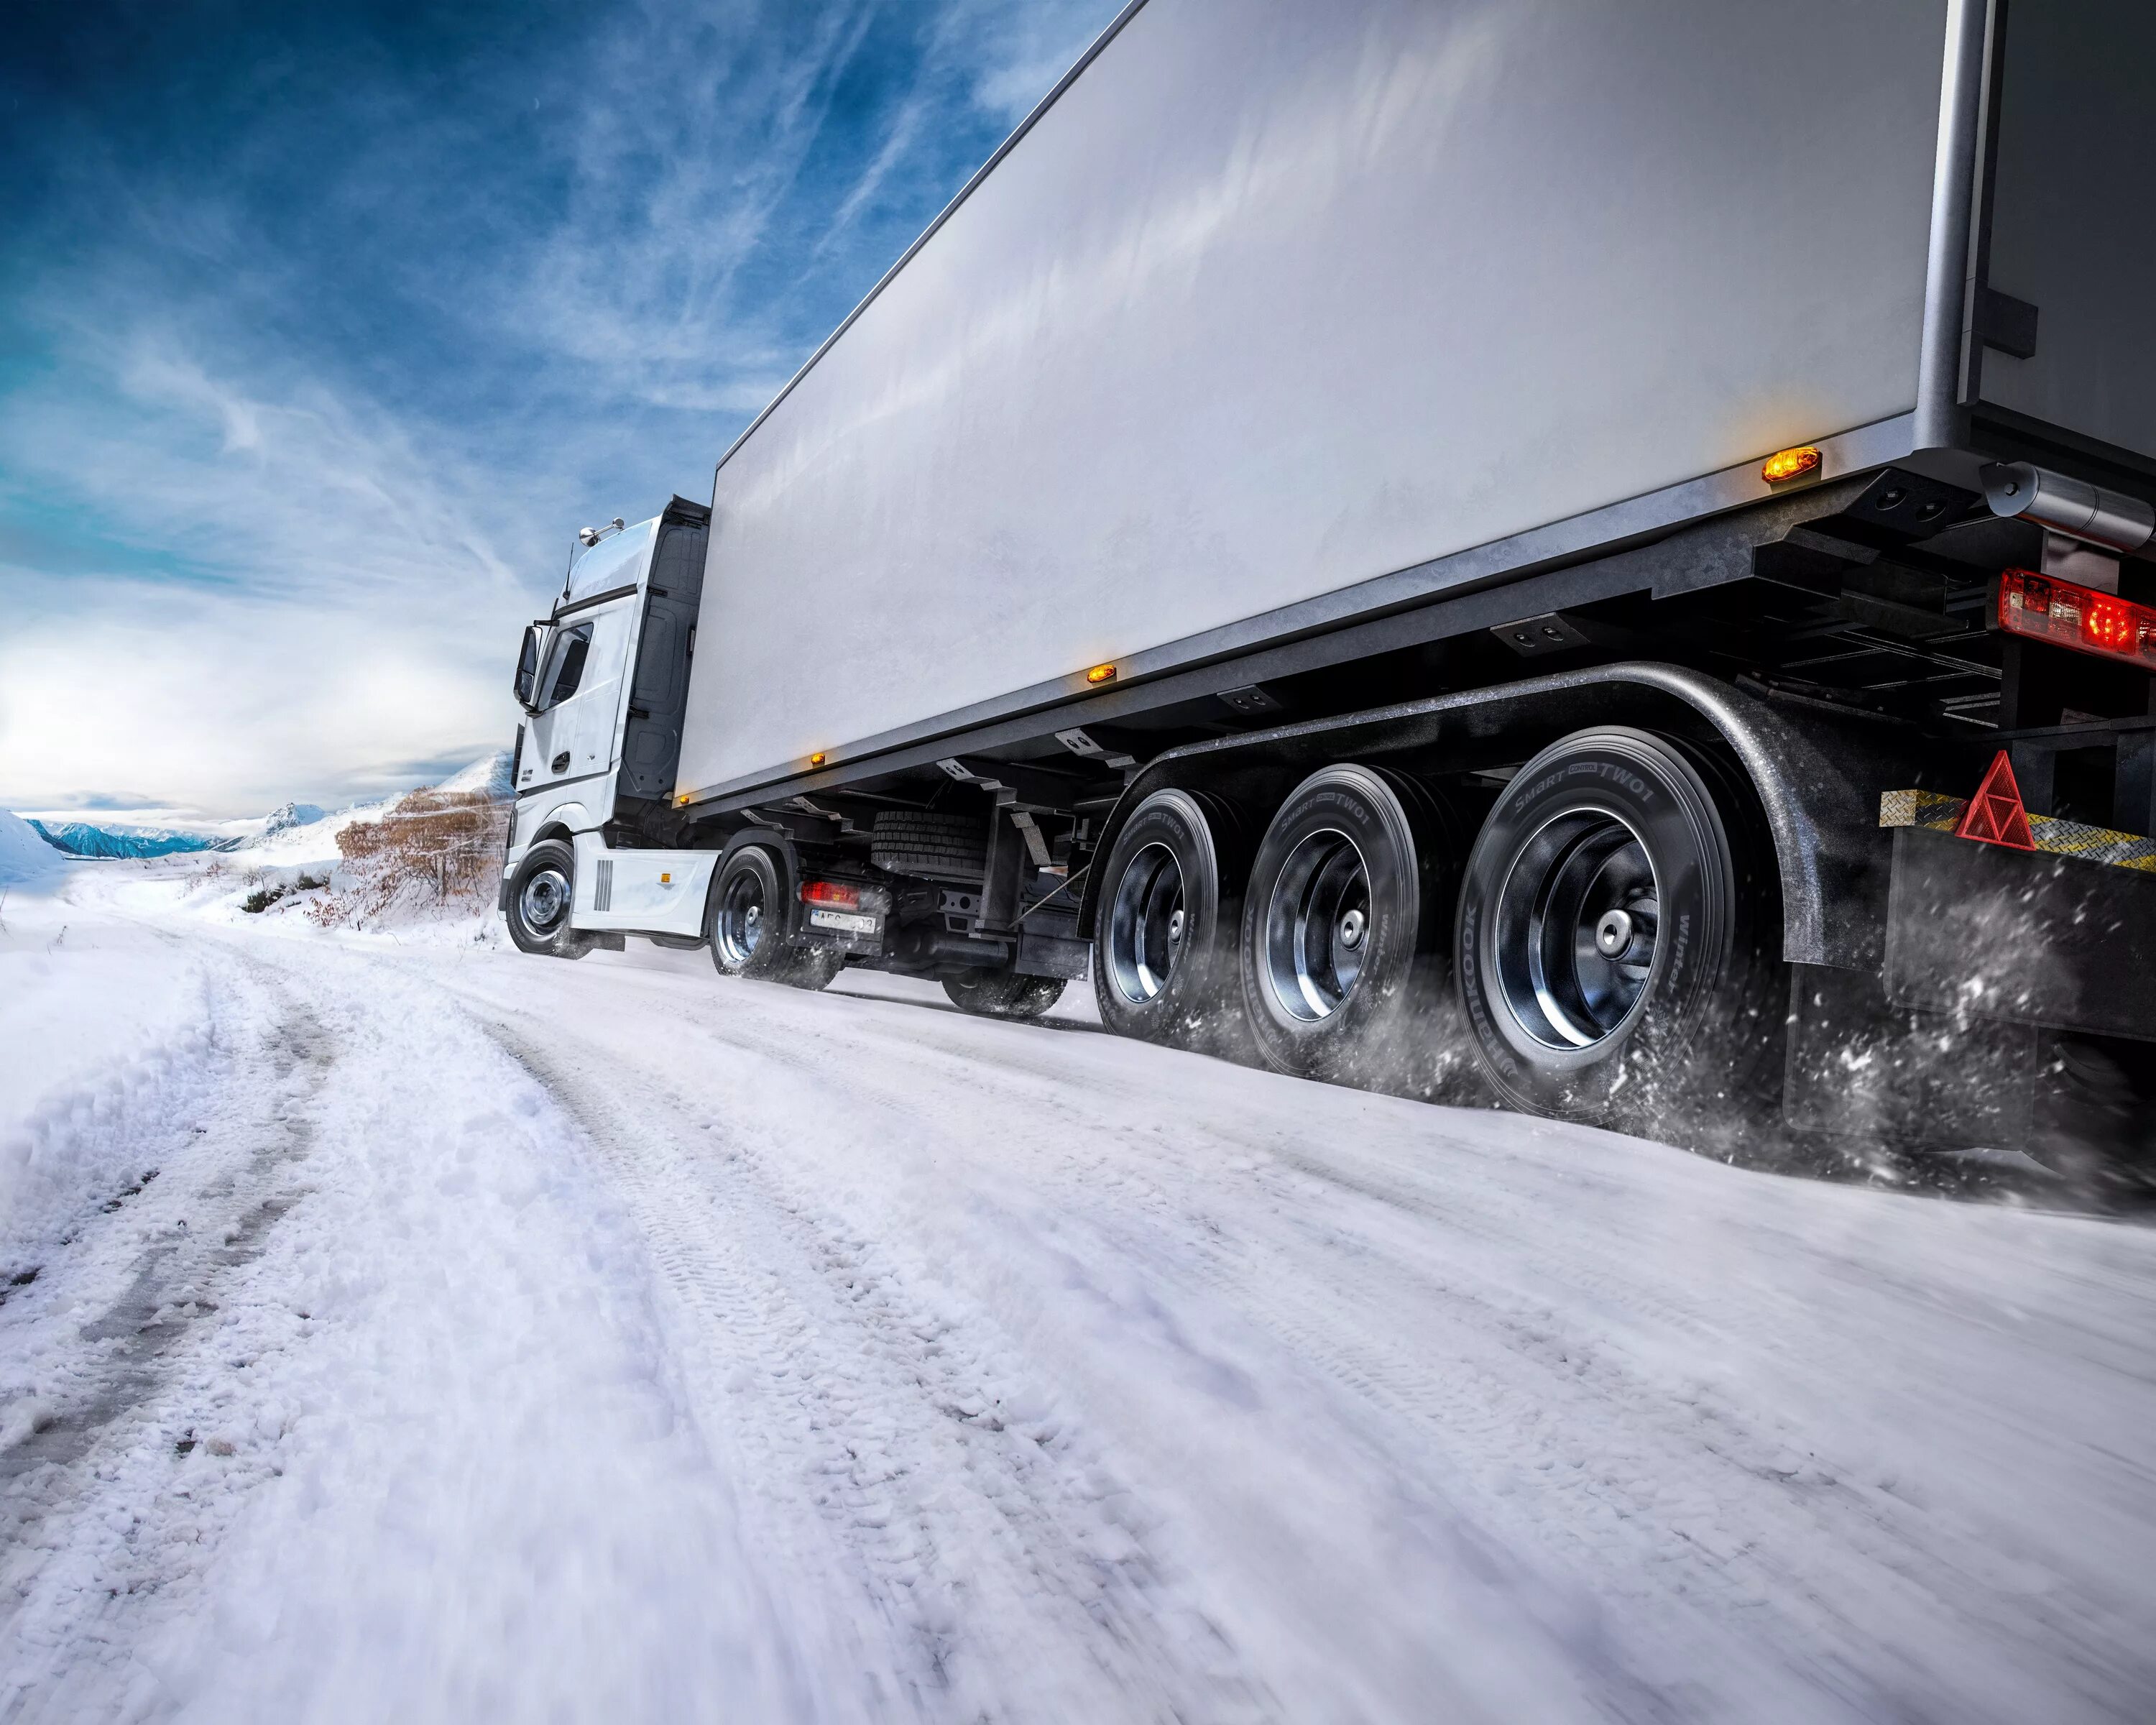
<point x="106" y="1048"/>
<point x="24" y="855"/>
<point x="302" y="888"/>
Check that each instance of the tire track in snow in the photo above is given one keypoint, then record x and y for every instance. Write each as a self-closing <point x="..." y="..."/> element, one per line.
<point x="155" y="1270"/>
<point x="1546" y="1365"/>
<point x="1000" y="1556"/>
<point x="222" y="1229"/>
<point x="1758" y="1522"/>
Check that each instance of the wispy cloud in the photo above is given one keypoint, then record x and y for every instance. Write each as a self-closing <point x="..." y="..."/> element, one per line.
<point x="324" y="337"/>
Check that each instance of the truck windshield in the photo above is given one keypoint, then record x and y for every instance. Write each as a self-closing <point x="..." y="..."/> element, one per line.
<point x="617" y="562"/>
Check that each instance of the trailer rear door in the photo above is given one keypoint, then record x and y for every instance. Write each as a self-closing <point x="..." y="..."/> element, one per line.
<point x="2071" y="231"/>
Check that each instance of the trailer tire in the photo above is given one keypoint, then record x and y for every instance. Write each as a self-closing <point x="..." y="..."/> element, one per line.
<point x="1579" y="1007"/>
<point x="931" y="844"/>
<point x="1164" y="928"/>
<point x="1003" y="994"/>
<point x="540" y="896"/>
<point x="1343" y="933"/>
<point x="745" y="924"/>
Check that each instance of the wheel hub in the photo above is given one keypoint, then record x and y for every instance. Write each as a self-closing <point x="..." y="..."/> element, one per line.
<point x="1147" y="919"/>
<point x="1574" y="930"/>
<point x="545" y="900"/>
<point x="1317" y="926"/>
<point x="740" y="925"/>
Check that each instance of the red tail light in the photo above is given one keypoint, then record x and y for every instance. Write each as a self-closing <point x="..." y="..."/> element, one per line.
<point x="2068" y="616"/>
<point x="832" y="893"/>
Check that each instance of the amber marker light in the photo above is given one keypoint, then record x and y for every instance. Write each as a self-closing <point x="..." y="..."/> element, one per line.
<point x="1102" y="673"/>
<point x="818" y="758"/>
<point x="1791" y="464"/>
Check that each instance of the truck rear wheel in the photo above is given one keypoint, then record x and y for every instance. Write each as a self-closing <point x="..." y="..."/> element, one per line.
<point x="540" y="899"/>
<point x="1343" y="932"/>
<point x="1164" y="933"/>
<point x="746" y="926"/>
<point x="1613" y="952"/>
<point x="1003" y="994"/>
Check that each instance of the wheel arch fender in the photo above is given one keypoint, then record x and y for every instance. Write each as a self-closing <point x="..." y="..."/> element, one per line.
<point x="555" y="826"/>
<point x="1816" y="772"/>
<point x="569" y="822"/>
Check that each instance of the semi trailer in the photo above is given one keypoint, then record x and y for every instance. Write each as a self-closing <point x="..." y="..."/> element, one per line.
<point x="1593" y="556"/>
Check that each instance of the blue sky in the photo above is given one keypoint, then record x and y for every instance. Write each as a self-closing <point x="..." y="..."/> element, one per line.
<point x="322" y="328"/>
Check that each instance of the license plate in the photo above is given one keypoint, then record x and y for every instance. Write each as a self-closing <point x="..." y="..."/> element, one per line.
<point x="846" y="921"/>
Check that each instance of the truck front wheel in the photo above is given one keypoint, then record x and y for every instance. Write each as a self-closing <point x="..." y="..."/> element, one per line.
<point x="1613" y="947"/>
<point x="540" y="898"/>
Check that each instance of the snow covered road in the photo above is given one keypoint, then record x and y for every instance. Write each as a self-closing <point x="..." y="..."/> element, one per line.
<point x="508" y="1339"/>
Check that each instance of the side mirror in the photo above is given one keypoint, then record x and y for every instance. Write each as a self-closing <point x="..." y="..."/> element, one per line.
<point x="529" y="659"/>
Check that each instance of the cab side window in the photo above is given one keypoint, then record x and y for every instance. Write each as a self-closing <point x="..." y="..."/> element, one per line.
<point x="565" y="665"/>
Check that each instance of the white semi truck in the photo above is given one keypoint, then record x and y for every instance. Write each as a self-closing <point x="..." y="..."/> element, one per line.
<point x="1483" y="548"/>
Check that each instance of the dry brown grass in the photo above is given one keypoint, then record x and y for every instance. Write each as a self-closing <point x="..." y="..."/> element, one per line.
<point x="430" y="847"/>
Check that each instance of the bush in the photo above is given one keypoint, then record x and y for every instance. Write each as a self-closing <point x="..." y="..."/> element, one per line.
<point x="258" y="900"/>
<point x="441" y="847"/>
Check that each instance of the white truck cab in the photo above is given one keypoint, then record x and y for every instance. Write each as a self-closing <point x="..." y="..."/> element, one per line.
<point x="601" y="680"/>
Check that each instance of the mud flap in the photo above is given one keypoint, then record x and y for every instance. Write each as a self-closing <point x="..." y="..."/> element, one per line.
<point x="1976" y="932"/>
<point x="1052" y="955"/>
<point x="2014" y="1010"/>
<point x="1862" y="1067"/>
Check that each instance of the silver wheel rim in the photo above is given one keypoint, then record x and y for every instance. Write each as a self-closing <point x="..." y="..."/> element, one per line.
<point x="742" y="913"/>
<point x="1145" y="924"/>
<point x="545" y="900"/>
<point x="1318" y="926"/>
<point x="1573" y="938"/>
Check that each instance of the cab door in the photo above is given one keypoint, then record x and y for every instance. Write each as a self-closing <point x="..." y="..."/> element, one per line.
<point x="574" y="727"/>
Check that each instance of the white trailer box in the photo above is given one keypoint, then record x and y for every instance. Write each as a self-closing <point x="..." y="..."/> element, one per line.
<point x="1277" y="314"/>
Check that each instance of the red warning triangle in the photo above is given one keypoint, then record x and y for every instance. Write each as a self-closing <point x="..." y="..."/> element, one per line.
<point x="1995" y="815"/>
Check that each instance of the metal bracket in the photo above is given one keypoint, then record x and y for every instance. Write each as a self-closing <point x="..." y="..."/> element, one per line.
<point x="1036" y="846"/>
<point x="1080" y="744"/>
<point x="1010" y="782"/>
<point x="1532" y="637"/>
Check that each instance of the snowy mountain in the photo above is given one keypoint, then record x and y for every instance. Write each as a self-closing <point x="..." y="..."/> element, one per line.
<point x="306" y="830"/>
<point x="489" y="774"/>
<point x="77" y="838"/>
<point x="288" y="818"/>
